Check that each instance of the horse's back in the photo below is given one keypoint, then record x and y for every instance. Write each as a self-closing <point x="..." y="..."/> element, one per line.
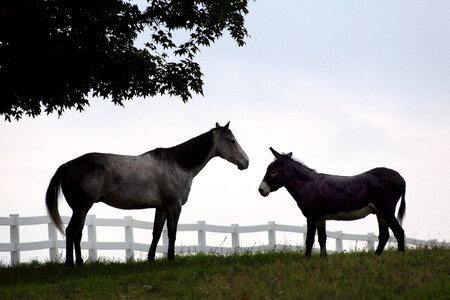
<point x="96" y="176"/>
<point x="122" y="181"/>
<point x="99" y="163"/>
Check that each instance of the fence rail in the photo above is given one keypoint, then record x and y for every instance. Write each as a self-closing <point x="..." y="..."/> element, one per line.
<point x="15" y="247"/>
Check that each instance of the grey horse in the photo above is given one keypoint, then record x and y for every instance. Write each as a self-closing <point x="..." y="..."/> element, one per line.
<point x="323" y="197"/>
<point x="160" y="179"/>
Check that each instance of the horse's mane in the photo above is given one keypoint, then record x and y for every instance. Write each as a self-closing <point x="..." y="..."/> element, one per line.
<point x="189" y="154"/>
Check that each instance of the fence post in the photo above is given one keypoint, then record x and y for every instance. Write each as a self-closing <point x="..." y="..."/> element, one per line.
<point x="305" y="231"/>
<point x="370" y="241"/>
<point x="15" y="239"/>
<point x="129" y="238"/>
<point x="272" y="235"/>
<point x="235" y="237"/>
<point x="53" y="251"/>
<point x="201" y="236"/>
<point x="339" y="244"/>
<point x="432" y="243"/>
<point x="165" y="241"/>
<point x="92" y="238"/>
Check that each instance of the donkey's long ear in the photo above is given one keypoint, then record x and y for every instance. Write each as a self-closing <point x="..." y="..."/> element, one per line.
<point x="289" y="155"/>
<point x="217" y="125"/>
<point x="275" y="153"/>
<point x="226" y="126"/>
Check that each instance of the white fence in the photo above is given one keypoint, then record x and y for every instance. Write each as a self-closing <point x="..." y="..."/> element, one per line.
<point x="15" y="247"/>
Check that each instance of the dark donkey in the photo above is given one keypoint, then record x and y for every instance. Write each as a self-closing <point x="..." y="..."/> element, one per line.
<point x="323" y="197"/>
<point x="160" y="178"/>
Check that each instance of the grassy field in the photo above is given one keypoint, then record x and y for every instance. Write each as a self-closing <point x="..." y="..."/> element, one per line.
<point x="417" y="274"/>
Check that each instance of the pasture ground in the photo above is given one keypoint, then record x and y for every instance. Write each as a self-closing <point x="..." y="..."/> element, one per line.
<point x="418" y="274"/>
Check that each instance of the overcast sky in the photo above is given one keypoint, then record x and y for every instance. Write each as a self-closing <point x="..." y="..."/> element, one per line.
<point x="345" y="85"/>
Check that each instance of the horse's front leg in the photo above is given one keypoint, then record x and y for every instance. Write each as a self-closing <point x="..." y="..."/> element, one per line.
<point x="321" y="231"/>
<point x="173" y="215"/>
<point x="160" y="219"/>
<point x="310" y="234"/>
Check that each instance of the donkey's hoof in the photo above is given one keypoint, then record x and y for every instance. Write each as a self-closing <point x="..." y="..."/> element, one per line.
<point x="69" y="263"/>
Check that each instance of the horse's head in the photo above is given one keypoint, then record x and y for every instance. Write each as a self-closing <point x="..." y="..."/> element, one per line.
<point x="228" y="148"/>
<point x="275" y="174"/>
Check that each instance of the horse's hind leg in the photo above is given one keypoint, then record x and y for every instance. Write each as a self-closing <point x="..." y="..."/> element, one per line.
<point x="78" y="235"/>
<point x="70" y="237"/>
<point x="384" y="234"/>
<point x="73" y="236"/>
<point x="321" y="232"/>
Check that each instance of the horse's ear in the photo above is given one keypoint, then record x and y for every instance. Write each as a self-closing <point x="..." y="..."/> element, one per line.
<point x="224" y="127"/>
<point x="289" y="155"/>
<point x="275" y="153"/>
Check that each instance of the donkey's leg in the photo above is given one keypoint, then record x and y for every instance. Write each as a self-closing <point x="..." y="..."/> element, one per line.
<point x="160" y="219"/>
<point x="173" y="215"/>
<point x="321" y="231"/>
<point x="384" y="234"/>
<point x="398" y="231"/>
<point x="310" y="234"/>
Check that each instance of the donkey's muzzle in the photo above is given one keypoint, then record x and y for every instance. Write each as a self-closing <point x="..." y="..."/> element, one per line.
<point x="264" y="189"/>
<point x="261" y="191"/>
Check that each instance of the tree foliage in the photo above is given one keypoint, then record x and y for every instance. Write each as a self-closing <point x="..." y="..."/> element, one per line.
<point x="55" y="53"/>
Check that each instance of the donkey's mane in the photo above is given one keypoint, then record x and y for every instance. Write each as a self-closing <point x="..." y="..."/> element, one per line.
<point x="188" y="155"/>
<point x="303" y="165"/>
<point x="298" y="163"/>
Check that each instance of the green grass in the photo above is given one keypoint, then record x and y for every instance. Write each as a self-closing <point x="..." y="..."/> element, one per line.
<point x="416" y="274"/>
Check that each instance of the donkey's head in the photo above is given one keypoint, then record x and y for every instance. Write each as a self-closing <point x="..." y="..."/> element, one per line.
<point x="276" y="173"/>
<point x="228" y="148"/>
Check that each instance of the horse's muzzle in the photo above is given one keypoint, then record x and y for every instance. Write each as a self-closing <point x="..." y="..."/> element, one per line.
<point x="243" y="166"/>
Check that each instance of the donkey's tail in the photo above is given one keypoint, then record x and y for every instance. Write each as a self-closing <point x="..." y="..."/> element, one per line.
<point x="401" y="210"/>
<point x="51" y="199"/>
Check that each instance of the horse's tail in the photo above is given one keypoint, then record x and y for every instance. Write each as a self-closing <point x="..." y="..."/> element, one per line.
<point x="51" y="199"/>
<point x="401" y="210"/>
